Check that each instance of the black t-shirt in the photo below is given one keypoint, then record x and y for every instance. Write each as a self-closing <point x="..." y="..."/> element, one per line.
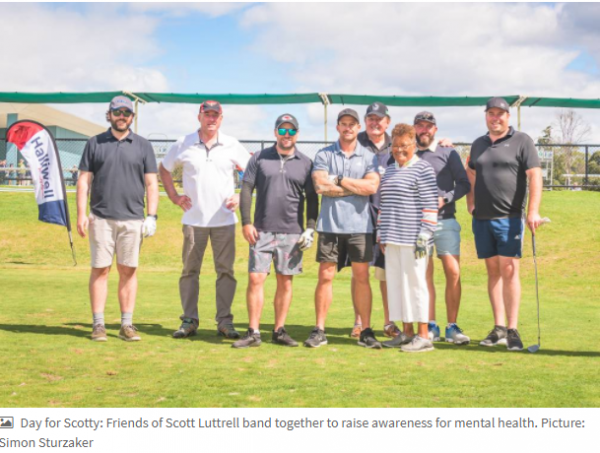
<point x="281" y="185"/>
<point x="501" y="181"/>
<point x="119" y="167"/>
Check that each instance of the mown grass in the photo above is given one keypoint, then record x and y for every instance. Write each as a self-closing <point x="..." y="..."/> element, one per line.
<point x="49" y="361"/>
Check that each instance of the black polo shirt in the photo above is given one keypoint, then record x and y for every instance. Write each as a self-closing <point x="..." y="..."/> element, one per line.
<point x="119" y="167"/>
<point x="501" y="181"/>
<point x="383" y="156"/>
<point x="281" y="186"/>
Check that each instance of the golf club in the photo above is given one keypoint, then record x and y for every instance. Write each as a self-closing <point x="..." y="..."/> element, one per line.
<point x="536" y="347"/>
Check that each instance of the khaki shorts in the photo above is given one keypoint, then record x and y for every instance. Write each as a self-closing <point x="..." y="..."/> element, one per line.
<point x="109" y="236"/>
<point x="379" y="274"/>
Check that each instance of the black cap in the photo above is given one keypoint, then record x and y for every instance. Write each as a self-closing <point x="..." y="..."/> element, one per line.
<point x="425" y="116"/>
<point x="499" y="103"/>
<point x="286" y="118"/>
<point x="377" y="108"/>
<point x="349" y="112"/>
<point x="208" y="106"/>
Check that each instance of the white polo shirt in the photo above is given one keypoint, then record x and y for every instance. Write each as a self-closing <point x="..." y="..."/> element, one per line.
<point x="207" y="177"/>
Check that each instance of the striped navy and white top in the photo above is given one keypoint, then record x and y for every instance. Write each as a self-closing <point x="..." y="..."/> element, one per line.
<point x="409" y="202"/>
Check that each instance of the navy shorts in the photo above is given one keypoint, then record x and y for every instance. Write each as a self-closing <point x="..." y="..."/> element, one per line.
<point x="502" y="237"/>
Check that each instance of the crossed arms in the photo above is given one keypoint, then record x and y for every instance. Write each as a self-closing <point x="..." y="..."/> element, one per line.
<point x="326" y="186"/>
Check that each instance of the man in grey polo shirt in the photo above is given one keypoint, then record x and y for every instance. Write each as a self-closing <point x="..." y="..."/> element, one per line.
<point x="281" y="176"/>
<point x="453" y="184"/>
<point x="119" y="166"/>
<point x="345" y="173"/>
<point x="501" y="165"/>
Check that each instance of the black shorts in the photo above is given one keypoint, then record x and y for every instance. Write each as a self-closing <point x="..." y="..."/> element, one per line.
<point x="358" y="247"/>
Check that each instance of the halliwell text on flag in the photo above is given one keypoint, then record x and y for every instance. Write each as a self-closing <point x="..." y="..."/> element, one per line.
<point x="37" y="146"/>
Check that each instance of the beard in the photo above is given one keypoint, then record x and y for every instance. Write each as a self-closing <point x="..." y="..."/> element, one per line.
<point x="119" y="125"/>
<point x="282" y="146"/>
<point x="424" y="140"/>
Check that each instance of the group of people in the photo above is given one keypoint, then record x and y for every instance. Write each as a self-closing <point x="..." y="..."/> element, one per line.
<point x="386" y="201"/>
<point x="14" y="176"/>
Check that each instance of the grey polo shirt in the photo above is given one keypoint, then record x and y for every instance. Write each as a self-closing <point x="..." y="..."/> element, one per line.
<point x="119" y="167"/>
<point x="501" y="181"/>
<point x="351" y="214"/>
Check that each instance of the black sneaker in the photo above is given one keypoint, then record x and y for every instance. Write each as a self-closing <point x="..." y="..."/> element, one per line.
<point x="496" y="336"/>
<point x="317" y="338"/>
<point x="280" y="336"/>
<point x="368" y="340"/>
<point x="250" y="339"/>
<point x="513" y="340"/>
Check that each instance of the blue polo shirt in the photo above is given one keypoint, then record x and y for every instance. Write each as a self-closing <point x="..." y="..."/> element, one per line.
<point x="351" y="214"/>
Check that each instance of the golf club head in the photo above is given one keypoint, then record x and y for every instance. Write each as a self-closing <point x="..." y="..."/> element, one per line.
<point x="534" y="348"/>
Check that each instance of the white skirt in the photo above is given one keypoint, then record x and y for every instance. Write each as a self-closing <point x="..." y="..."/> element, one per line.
<point x="408" y="297"/>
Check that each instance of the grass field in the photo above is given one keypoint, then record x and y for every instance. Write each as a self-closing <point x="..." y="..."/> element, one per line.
<point x="49" y="360"/>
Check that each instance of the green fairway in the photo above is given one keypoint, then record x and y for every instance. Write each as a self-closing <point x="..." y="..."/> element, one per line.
<point x="49" y="360"/>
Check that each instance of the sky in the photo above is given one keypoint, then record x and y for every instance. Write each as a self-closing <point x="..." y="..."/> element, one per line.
<point x="439" y="49"/>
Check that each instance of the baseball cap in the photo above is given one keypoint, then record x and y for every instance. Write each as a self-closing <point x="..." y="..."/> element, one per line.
<point x="377" y="108"/>
<point x="119" y="102"/>
<point x="286" y="118"/>
<point x="425" y="116"/>
<point x="349" y="112"/>
<point x="499" y="103"/>
<point x="210" y="106"/>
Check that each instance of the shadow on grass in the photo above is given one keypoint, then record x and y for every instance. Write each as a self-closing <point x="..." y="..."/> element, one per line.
<point x="504" y="351"/>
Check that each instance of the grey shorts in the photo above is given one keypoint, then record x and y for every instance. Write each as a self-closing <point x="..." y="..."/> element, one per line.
<point x="280" y="248"/>
<point x="358" y="247"/>
<point x="447" y="238"/>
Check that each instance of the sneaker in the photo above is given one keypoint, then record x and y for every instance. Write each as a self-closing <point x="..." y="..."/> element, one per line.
<point x="249" y="340"/>
<point x="418" y="344"/>
<point x="434" y="331"/>
<point x="317" y="338"/>
<point x="188" y="328"/>
<point x="356" y="330"/>
<point x="99" y="332"/>
<point x="401" y="339"/>
<point x="496" y="336"/>
<point x="368" y="340"/>
<point x="129" y="333"/>
<point x="454" y="334"/>
<point x="513" y="340"/>
<point x="228" y="331"/>
<point x="281" y="337"/>
<point x="391" y="330"/>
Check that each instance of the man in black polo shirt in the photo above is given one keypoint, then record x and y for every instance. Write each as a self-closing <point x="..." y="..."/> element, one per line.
<point x="501" y="165"/>
<point x="282" y="178"/>
<point x="123" y="166"/>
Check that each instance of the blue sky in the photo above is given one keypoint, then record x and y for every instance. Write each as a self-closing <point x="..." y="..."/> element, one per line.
<point x="364" y="48"/>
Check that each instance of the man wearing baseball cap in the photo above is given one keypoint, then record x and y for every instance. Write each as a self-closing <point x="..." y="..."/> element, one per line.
<point x="453" y="184"/>
<point x="119" y="167"/>
<point x="345" y="173"/>
<point x="281" y="176"/>
<point x="209" y="159"/>
<point x="501" y="166"/>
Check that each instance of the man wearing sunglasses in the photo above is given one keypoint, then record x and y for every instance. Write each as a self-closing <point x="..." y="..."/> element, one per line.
<point x="345" y="173"/>
<point x="119" y="166"/>
<point x="281" y="176"/>
<point x="209" y="159"/>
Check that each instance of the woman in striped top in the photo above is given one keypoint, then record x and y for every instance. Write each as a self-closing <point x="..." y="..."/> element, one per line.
<point x="407" y="221"/>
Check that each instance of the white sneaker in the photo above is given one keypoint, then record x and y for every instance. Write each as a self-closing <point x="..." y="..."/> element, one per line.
<point x="418" y="344"/>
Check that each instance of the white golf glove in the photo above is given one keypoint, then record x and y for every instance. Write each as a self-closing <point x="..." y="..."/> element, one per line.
<point x="422" y="246"/>
<point x="306" y="239"/>
<point x="149" y="227"/>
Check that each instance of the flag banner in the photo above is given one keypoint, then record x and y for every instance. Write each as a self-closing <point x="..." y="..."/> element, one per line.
<point x="37" y="146"/>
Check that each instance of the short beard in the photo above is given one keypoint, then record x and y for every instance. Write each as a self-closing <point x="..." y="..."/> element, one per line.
<point x="285" y="148"/>
<point x="115" y="126"/>
<point x="424" y="141"/>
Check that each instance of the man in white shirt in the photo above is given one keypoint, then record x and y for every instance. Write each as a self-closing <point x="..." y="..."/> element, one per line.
<point x="209" y="159"/>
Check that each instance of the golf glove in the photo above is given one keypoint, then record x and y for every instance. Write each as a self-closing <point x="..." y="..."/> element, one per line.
<point x="306" y="239"/>
<point x="149" y="227"/>
<point x="422" y="246"/>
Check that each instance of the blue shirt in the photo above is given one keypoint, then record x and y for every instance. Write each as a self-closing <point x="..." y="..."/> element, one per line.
<point x="351" y="214"/>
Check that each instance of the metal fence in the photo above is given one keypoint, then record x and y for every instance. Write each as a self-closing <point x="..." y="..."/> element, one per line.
<point x="563" y="166"/>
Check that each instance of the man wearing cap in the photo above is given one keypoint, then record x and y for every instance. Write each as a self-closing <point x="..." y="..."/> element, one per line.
<point x="345" y="173"/>
<point x="118" y="166"/>
<point x="209" y="159"/>
<point x="501" y="166"/>
<point x="281" y="176"/>
<point x="452" y="184"/>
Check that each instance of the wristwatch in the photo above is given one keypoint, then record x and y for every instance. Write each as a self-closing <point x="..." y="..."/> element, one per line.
<point x="340" y="178"/>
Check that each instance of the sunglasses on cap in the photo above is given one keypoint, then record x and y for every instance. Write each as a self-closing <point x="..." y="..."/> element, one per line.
<point x="282" y="131"/>
<point x="125" y="113"/>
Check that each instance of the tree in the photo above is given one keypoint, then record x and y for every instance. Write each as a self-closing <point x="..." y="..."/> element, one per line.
<point x="572" y="131"/>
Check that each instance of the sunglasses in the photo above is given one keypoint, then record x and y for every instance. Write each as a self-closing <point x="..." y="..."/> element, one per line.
<point x="282" y="130"/>
<point x="125" y="113"/>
